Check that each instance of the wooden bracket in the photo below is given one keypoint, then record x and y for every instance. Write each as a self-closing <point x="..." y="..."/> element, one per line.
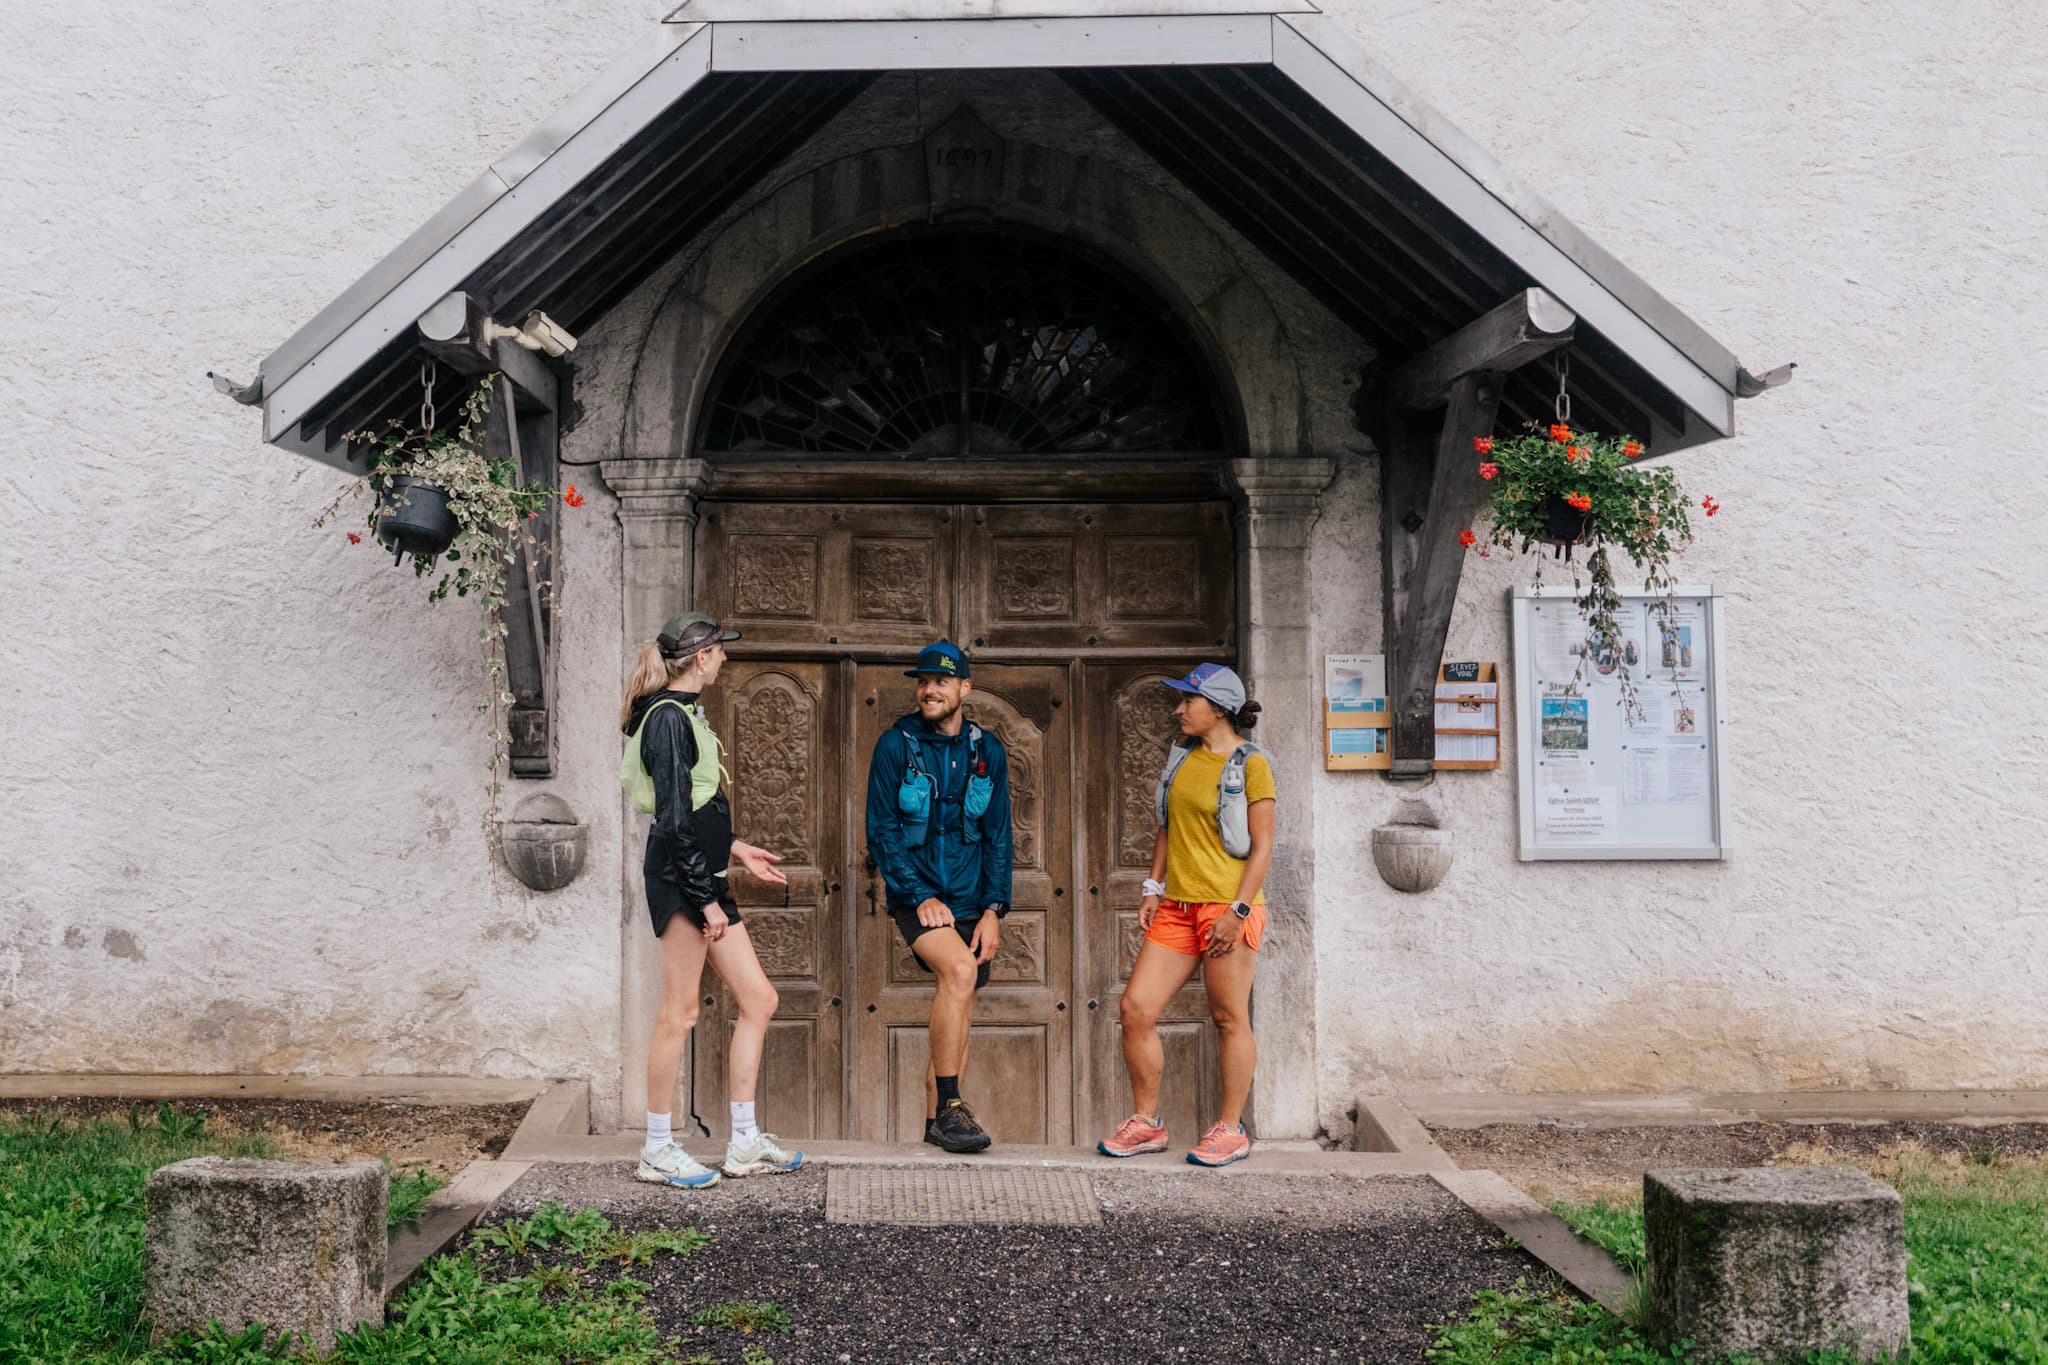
<point x="1428" y="412"/>
<point x="531" y="440"/>
<point x="523" y="427"/>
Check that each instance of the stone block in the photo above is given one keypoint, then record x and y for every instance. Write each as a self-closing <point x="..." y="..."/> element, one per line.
<point x="296" y="1246"/>
<point x="1776" y="1262"/>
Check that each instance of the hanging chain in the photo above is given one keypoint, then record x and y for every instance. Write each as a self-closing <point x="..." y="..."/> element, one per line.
<point x="1564" y="399"/>
<point x="427" y="396"/>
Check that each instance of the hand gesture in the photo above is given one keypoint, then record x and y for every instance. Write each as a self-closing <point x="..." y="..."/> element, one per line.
<point x="1148" y="909"/>
<point x="934" y="914"/>
<point x="715" y="921"/>
<point x="759" y="862"/>
<point x="988" y="931"/>
<point x="1224" y="933"/>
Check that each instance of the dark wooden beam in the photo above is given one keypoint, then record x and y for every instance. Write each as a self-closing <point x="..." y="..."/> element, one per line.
<point x="531" y="440"/>
<point x="1529" y="325"/>
<point x="1432" y="491"/>
<point x="457" y="332"/>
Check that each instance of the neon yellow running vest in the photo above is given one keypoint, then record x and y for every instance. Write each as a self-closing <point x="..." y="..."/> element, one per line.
<point x="705" y="773"/>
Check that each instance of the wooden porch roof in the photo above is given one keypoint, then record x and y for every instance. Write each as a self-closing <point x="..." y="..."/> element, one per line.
<point x="1263" y="108"/>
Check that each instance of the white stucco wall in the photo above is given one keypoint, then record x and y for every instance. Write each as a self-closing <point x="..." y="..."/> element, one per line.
<point x="1863" y="196"/>
<point x="242" y="784"/>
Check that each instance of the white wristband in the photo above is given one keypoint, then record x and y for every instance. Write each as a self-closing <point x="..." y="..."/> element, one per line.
<point x="1153" y="888"/>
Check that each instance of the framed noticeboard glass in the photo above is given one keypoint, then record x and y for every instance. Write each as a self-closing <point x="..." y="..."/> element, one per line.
<point x="1595" y="781"/>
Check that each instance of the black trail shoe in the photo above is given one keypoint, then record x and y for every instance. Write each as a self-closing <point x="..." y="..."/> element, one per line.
<point x="955" y="1129"/>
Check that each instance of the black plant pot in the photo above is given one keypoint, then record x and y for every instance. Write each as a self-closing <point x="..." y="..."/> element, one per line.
<point x="1564" y="525"/>
<point x="413" y="517"/>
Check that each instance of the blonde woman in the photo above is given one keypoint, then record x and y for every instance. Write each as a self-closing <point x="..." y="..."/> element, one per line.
<point x="1204" y="905"/>
<point x="673" y="769"/>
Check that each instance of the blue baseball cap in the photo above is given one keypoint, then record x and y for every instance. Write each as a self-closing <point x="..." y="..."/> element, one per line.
<point x="1214" y="682"/>
<point x="941" y="660"/>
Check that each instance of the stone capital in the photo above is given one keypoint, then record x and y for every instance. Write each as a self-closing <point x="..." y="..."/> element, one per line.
<point x="1277" y="497"/>
<point x="668" y="486"/>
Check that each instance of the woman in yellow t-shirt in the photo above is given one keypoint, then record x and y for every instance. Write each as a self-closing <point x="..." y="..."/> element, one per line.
<point x="1202" y="901"/>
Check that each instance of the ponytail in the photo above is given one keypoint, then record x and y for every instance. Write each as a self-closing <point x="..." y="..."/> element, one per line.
<point x="651" y="673"/>
<point x="1246" y="717"/>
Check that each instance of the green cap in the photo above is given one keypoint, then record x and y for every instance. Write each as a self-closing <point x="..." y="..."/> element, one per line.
<point x="690" y="632"/>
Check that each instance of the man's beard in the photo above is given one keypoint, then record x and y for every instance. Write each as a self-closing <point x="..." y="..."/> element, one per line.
<point x="943" y="716"/>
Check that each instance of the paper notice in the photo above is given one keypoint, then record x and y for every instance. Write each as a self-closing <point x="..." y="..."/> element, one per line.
<point x="1675" y="641"/>
<point x="1558" y="639"/>
<point x="1584" y="816"/>
<point x="1669" y="774"/>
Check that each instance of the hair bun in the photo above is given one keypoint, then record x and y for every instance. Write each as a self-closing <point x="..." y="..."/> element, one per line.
<point x="1250" y="708"/>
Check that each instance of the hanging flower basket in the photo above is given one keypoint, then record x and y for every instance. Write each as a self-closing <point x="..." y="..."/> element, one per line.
<point x="1557" y="487"/>
<point x="413" y="517"/>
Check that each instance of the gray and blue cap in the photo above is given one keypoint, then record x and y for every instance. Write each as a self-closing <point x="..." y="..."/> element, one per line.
<point x="1214" y="682"/>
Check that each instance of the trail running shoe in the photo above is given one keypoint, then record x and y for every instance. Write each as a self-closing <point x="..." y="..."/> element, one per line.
<point x="674" y="1166"/>
<point x="760" y="1156"/>
<point x="955" y="1129"/>
<point x="1220" y="1146"/>
<point x="1135" y="1136"/>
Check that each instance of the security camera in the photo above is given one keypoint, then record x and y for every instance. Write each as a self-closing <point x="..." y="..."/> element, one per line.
<point x="542" y="333"/>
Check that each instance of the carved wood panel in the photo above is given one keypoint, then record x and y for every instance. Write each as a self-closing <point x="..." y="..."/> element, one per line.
<point x="1033" y="579"/>
<point x="1154" y="577"/>
<point x="1145" y="730"/>
<point x="774" y="749"/>
<point x="893" y="579"/>
<point x="784" y="940"/>
<point x="775" y="576"/>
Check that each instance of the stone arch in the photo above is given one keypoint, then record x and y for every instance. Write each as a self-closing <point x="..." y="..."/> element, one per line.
<point x="1157" y="237"/>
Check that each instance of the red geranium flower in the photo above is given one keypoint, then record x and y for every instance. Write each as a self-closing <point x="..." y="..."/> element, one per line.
<point x="1467" y="539"/>
<point x="1487" y="469"/>
<point x="1575" y="453"/>
<point x="1631" y="449"/>
<point x="1582" y="501"/>
<point x="572" y="497"/>
<point x="354" y="539"/>
<point x="1560" y="432"/>
<point x="1483" y="444"/>
<point x="1709" y="503"/>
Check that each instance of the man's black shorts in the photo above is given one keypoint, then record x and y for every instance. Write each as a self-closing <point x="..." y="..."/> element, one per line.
<point x="907" y="925"/>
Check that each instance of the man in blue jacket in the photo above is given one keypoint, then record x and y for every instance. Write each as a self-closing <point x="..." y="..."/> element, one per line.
<point x="938" y="820"/>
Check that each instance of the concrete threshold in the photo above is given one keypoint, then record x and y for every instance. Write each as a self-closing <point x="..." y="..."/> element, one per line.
<point x="448" y="1213"/>
<point x="1632" y="1110"/>
<point x="1544" y="1235"/>
<point x="625" y="1146"/>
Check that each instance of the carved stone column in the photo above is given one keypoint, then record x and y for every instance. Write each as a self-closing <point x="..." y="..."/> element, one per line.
<point x="658" y="514"/>
<point x="1277" y="506"/>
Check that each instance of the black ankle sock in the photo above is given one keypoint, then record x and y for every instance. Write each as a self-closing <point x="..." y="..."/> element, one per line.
<point x="949" y="1089"/>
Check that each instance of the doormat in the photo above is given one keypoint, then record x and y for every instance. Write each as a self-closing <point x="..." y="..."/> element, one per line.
<point x="953" y="1195"/>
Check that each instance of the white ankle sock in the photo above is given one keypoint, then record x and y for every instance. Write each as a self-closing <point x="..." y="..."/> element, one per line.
<point x="743" y="1129"/>
<point x="658" y="1135"/>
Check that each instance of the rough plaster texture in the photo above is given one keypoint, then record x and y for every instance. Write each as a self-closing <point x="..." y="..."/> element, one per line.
<point x="297" y="1246"/>
<point x="1863" y="198"/>
<point x="243" y="779"/>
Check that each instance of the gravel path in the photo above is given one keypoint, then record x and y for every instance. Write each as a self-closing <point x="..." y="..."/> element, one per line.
<point x="1183" y="1268"/>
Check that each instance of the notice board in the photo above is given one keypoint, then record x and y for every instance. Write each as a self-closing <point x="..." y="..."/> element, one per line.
<point x="1595" y="780"/>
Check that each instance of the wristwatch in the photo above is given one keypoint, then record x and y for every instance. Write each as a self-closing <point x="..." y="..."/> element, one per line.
<point x="1242" y="909"/>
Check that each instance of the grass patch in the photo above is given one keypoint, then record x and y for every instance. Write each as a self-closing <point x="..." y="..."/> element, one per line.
<point x="1977" y="1272"/>
<point x="71" y="1265"/>
<point x="409" y="1194"/>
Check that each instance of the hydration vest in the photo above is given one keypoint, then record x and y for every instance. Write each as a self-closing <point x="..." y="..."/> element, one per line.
<point x="919" y="790"/>
<point x="1233" y="812"/>
<point x="705" y="773"/>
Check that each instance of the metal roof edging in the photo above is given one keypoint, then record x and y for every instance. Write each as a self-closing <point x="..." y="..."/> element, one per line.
<point x="307" y="349"/>
<point x="992" y="44"/>
<point x="886" y="11"/>
<point x="1450" y="143"/>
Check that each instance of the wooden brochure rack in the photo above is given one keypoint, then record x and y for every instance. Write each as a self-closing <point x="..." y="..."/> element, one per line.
<point x="1468" y="702"/>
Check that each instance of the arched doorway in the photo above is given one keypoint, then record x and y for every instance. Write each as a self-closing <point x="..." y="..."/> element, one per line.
<point x="998" y="439"/>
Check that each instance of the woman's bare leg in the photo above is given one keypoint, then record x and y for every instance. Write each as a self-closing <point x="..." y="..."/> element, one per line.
<point x="736" y="963"/>
<point x="682" y="966"/>
<point x="1156" y="976"/>
<point x="1228" y="980"/>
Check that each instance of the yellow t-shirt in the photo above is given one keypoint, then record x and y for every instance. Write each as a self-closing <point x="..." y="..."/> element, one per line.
<point x="1198" y="871"/>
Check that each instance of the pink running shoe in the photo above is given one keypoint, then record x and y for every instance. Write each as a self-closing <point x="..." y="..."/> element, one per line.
<point x="1220" y="1146"/>
<point x="1135" y="1136"/>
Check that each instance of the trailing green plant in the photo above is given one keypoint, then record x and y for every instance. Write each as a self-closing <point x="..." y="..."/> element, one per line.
<point x="493" y="512"/>
<point x="1559" y="487"/>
